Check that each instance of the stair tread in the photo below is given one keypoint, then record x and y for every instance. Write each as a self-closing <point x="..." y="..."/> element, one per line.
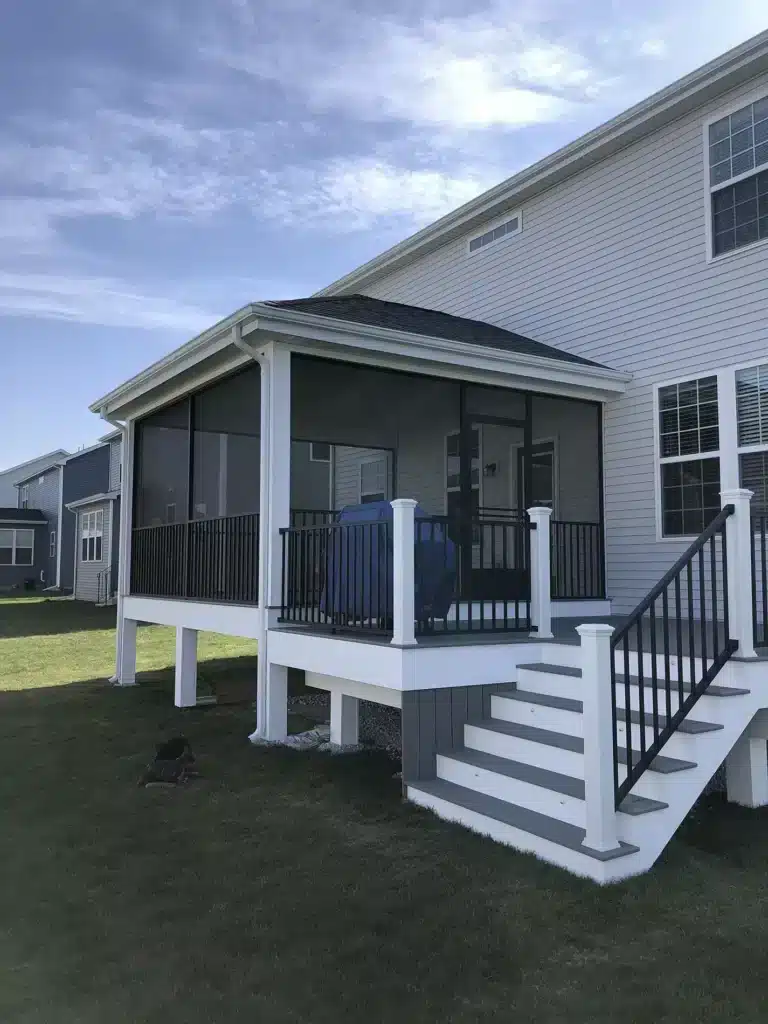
<point x="547" y="737"/>
<point x="571" y="704"/>
<point x="713" y="690"/>
<point x="552" y="829"/>
<point x="549" y="667"/>
<point x="567" y="785"/>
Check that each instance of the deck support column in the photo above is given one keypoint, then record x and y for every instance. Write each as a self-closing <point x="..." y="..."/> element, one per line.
<point x="185" y="685"/>
<point x="126" y="651"/>
<point x="746" y="771"/>
<point x="404" y="572"/>
<point x="738" y="536"/>
<point x="599" y="794"/>
<point x="540" y="561"/>
<point x="345" y="719"/>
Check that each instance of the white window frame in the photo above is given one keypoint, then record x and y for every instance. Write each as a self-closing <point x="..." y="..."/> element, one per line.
<point x="382" y="457"/>
<point x="710" y="189"/>
<point x="456" y="490"/>
<point x="24" y="496"/>
<point x="745" y="449"/>
<point x="91" y="526"/>
<point x="312" y="457"/>
<point x="52" y="545"/>
<point x="14" y="530"/>
<point x="491" y="226"/>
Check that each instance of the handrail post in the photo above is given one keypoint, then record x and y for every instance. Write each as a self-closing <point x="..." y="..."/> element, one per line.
<point x="541" y="572"/>
<point x="738" y="537"/>
<point x="404" y="572"/>
<point x="597" y="718"/>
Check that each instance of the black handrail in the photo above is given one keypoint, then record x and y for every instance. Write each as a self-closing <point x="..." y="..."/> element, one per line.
<point x="669" y="699"/>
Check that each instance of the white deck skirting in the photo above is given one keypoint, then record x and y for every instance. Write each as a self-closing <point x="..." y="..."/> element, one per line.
<point x="230" y="619"/>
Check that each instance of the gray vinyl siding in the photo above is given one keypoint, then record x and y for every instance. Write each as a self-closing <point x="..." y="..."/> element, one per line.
<point x="13" y="578"/>
<point x="84" y="475"/>
<point x="346" y="475"/>
<point x="87" y="573"/>
<point x="44" y="494"/>
<point x="611" y="265"/>
<point x="115" y="453"/>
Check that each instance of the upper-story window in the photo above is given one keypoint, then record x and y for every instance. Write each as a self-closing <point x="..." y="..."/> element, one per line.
<point x="511" y="225"/>
<point x="738" y="177"/>
<point x="24" y="496"/>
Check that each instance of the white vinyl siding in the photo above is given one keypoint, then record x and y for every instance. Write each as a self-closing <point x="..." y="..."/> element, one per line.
<point x="613" y="267"/>
<point x="89" y="521"/>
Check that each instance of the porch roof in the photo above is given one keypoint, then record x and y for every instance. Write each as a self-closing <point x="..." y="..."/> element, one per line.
<point x="362" y="330"/>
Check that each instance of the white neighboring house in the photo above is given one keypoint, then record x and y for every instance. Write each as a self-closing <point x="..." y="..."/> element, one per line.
<point x="569" y="377"/>
<point x="9" y="478"/>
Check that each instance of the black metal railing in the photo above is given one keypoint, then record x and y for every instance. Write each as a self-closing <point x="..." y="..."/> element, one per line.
<point x="683" y="625"/>
<point x="205" y="560"/>
<point x="104" y="589"/>
<point x="760" y="578"/>
<point x="577" y="561"/>
<point x="312" y="517"/>
<point x="338" y="576"/>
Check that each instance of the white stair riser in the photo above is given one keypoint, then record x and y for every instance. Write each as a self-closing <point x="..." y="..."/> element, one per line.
<point x="541" y="755"/>
<point x="561" y="654"/>
<point x="514" y="791"/>
<point x="706" y="709"/>
<point x="682" y="745"/>
<point x="660" y="664"/>
<point x="556" y="719"/>
<point x="549" y="683"/>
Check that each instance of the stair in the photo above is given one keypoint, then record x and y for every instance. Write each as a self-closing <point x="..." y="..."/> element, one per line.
<point x="518" y="776"/>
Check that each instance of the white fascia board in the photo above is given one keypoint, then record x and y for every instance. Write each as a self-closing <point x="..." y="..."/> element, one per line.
<point x="726" y="72"/>
<point x="93" y="499"/>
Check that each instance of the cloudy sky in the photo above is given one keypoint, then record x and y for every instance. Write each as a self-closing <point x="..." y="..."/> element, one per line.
<point x="164" y="162"/>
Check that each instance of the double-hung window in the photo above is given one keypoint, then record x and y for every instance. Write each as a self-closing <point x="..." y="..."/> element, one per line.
<point x="91" y="536"/>
<point x="689" y="456"/>
<point x="373" y="480"/>
<point x="738" y="177"/>
<point x="24" y="502"/>
<point x="17" y="547"/>
<point x="752" y="433"/>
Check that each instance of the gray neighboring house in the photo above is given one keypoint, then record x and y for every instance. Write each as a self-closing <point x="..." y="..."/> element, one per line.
<point x="10" y="477"/>
<point x="43" y="491"/>
<point x="23" y="548"/>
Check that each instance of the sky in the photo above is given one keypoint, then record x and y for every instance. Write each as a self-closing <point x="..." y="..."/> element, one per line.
<point x="163" y="163"/>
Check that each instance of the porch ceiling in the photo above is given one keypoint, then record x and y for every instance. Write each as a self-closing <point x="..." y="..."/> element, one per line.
<point x="367" y="331"/>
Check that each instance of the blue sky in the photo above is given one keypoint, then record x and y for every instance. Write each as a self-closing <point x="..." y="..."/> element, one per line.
<point x="163" y="163"/>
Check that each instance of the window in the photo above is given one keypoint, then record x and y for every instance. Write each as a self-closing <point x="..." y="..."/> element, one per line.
<point x="17" y="547"/>
<point x="752" y="432"/>
<point x="373" y="480"/>
<point x="453" y="472"/>
<point x="542" y="473"/>
<point x="91" y="536"/>
<point x="688" y="428"/>
<point x="512" y="226"/>
<point x="24" y="496"/>
<point x="52" y="545"/>
<point x="319" y="452"/>
<point x="738" y="148"/>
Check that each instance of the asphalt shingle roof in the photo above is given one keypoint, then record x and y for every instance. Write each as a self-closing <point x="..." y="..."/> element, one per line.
<point x="30" y="515"/>
<point x="397" y="316"/>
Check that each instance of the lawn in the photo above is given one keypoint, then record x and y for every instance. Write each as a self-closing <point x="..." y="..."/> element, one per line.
<point x="286" y="887"/>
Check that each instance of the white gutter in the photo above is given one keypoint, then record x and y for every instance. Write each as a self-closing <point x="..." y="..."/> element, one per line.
<point x="93" y="499"/>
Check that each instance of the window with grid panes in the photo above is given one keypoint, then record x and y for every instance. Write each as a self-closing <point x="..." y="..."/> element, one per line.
<point x="752" y="433"/>
<point x="738" y="177"/>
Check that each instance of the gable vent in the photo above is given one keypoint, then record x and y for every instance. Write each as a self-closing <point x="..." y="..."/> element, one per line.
<point x="512" y="226"/>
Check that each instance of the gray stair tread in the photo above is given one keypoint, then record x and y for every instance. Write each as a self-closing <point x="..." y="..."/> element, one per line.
<point x="713" y="690"/>
<point x="558" y="670"/>
<point x="660" y="763"/>
<point x="545" y="779"/>
<point x="551" y="829"/>
<point x="545" y="700"/>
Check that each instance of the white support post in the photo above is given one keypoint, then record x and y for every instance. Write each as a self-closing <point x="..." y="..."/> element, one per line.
<point x="124" y="549"/>
<point x="738" y="536"/>
<point x="126" y="664"/>
<point x="599" y="795"/>
<point x="274" y="515"/>
<point x="746" y="771"/>
<point x="404" y="572"/>
<point x="541" y="583"/>
<point x="345" y="718"/>
<point x="185" y="688"/>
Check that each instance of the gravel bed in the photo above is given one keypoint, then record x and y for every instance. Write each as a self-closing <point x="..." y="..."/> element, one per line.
<point x="379" y="725"/>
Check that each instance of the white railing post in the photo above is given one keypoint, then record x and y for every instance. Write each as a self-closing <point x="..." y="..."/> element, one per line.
<point x="597" y="717"/>
<point x="403" y="572"/>
<point x="541" y="582"/>
<point x="738" y="538"/>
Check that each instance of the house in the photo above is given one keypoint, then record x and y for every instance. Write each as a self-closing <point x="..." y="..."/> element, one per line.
<point x="561" y="386"/>
<point x="39" y="488"/>
<point x="23" y="548"/>
<point x="9" y="478"/>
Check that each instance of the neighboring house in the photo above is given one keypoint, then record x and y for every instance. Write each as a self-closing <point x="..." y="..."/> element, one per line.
<point x="23" y="548"/>
<point x="9" y="478"/>
<point x="43" y="491"/>
<point x="569" y="376"/>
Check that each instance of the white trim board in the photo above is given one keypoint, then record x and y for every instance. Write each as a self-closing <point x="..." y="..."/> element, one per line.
<point x="229" y="619"/>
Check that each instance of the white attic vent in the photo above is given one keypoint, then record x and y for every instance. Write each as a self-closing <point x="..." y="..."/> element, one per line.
<point x="513" y="225"/>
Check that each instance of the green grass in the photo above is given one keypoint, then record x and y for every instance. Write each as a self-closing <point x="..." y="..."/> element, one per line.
<point x="285" y="887"/>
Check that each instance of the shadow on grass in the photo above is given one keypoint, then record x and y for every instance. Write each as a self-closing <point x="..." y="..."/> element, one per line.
<point x="50" y="616"/>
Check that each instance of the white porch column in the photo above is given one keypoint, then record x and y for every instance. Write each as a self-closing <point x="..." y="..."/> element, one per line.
<point x="404" y="572"/>
<point x="599" y="796"/>
<point x="126" y="662"/>
<point x="345" y="718"/>
<point x="185" y="685"/>
<point x="541" y="583"/>
<point x="738" y="534"/>
<point x="746" y="771"/>
<point x="274" y="515"/>
<point x="124" y="554"/>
